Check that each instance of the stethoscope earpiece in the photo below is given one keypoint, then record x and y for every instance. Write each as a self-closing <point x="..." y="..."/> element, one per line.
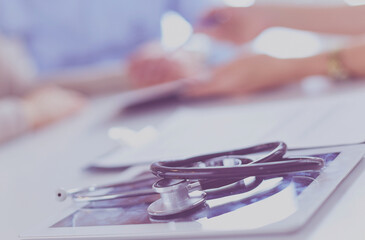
<point x="61" y="194"/>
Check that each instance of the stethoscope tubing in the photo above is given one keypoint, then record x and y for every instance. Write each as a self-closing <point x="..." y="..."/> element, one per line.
<point x="285" y="166"/>
<point x="277" y="150"/>
<point x="81" y="194"/>
<point x="271" y="164"/>
<point x="135" y="193"/>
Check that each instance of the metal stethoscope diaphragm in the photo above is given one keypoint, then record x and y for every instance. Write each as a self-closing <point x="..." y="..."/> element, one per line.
<point x="186" y="184"/>
<point x="175" y="197"/>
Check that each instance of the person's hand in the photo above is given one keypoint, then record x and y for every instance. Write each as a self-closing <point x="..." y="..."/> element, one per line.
<point x="147" y="71"/>
<point x="242" y="76"/>
<point x="50" y="104"/>
<point x="152" y="65"/>
<point x="236" y="25"/>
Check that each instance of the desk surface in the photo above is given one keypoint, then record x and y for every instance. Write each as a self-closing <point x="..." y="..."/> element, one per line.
<point x="32" y="167"/>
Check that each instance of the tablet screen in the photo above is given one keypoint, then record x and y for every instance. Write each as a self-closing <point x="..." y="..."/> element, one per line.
<point x="273" y="199"/>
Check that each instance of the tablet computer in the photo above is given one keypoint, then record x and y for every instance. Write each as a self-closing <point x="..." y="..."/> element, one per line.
<point x="277" y="207"/>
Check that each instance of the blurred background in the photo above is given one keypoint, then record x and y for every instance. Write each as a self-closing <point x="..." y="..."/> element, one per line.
<point x="57" y="55"/>
<point x="85" y="83"/>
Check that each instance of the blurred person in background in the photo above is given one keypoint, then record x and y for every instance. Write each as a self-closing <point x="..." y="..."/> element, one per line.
<point x="62" y="36"/>
<point x="20" y="112"/>
<point x="246" y="74"/>
<point x="42" y="43"/>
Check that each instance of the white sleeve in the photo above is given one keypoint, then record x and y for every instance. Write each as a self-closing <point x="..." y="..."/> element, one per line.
<point x="12" y="119"/>
<point x="17" y="69"/>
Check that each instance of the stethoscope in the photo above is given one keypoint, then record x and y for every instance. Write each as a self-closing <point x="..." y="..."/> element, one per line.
<point x="186" y="184"/>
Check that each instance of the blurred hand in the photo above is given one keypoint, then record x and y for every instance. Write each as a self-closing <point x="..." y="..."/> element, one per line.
<point x="152" y="65"/>
<point x="146" y="71"/>
<point x="50" y="104"/>
<point x="236" y="25"/>
<point x="242" y="76"/>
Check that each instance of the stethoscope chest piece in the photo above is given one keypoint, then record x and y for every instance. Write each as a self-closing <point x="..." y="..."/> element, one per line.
<point x="175" y="198"/>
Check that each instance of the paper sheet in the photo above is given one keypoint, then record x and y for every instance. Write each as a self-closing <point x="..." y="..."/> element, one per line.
<point x="310" y="122"/>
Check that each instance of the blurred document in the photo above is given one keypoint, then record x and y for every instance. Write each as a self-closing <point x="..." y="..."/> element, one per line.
<point x="337" y="119"/>
<point x="151" y="93"/>
<point x="332" y="120"/>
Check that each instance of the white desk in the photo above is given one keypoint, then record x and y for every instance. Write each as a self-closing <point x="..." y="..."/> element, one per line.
<point x="31" y="168"/>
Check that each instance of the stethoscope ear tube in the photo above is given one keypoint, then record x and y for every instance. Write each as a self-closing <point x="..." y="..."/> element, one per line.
<point x="276" y="150"/>
<point x="273" y="163"/>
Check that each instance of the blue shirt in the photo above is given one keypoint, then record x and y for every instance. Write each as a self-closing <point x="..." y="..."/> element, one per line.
<point x="61" y="34"/>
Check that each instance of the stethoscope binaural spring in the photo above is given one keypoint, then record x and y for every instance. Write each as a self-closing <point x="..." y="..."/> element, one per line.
<point x="205" y="174"/>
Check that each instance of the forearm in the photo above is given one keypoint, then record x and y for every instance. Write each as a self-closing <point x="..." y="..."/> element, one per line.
<point x="335" y="20"/>
<point x="296" y="69"/>
<point x="352" y="59"/>
<point x="90" y="81"/>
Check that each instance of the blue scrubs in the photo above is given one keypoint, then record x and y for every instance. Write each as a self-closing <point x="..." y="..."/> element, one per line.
<point x="60" y="34"/>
